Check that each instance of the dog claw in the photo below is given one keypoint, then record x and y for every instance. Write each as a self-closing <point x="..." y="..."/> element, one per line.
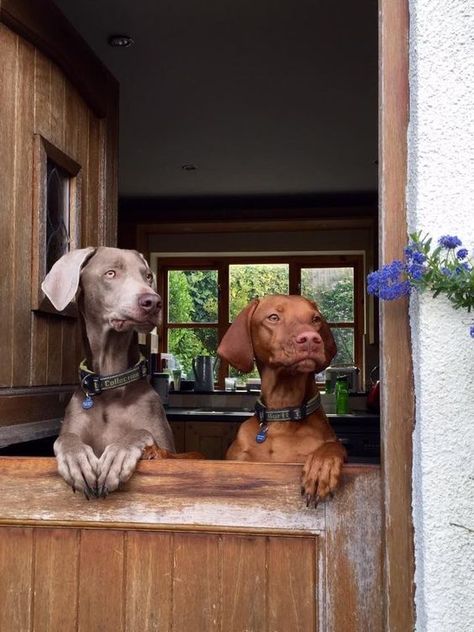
<point x="316" y="501"/>
<point x="308" y="499"/>
<point x="331" y="495"/>
<point x="302" y="490"/>
<point x="73" y="489"/>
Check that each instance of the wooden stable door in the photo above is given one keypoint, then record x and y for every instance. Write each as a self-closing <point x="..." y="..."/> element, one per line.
<point x="189" y="547"/>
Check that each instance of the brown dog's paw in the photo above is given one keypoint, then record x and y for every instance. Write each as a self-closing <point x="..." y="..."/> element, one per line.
<point x="152" y="452"/>
<point x="322" y="472"/>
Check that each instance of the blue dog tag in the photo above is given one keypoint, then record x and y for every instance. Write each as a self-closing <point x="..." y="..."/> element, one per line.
<point x="262" y="433"/>
<point x="88" y="402"/>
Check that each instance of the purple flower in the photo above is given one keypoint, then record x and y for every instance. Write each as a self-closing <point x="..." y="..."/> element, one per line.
<point x="463" y="266"/>
<point x="395" y="290"/>
<point x="416" y="271"/>
<point x="471" y="331"/>
<point x="449" y="241"/>
<point x="446" y="271"/>
<point x="462" y="254"/>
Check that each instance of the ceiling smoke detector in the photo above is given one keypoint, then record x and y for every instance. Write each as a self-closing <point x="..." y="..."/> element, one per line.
<point x="121" y="41"/>
<point x="188" y="166"/>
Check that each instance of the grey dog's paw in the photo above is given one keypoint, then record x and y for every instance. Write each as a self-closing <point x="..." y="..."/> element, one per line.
<point x="79" y="467"/>
<point x="119" y="460"/>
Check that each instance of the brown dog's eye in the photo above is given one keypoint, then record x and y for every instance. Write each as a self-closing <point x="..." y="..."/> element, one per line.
<point x="110" y="274"/>
<point x="316" y="319"/>
<point x="274" y="318"/>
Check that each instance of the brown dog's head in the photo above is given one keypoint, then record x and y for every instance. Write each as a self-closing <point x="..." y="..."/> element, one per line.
<point x="286" y="332"/>
<point x="116" y="287"/>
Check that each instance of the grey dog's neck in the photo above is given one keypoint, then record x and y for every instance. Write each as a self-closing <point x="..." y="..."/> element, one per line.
<point x="109" y="352"/>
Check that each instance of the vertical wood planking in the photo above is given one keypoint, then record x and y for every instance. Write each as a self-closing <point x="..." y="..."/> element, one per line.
<point x="42" y="125"/>
<point x="16" y="565"/>
<point x="23" y="203"/>
<point x="292" y="584"/>
<point x="101" y="585"/>
<point x="8" y="86"/>
<point x="148" y="581"/>
<point x="55" y="579"/>
<point x="243" y="583"/>
<point x="94" y="191"/>
<point x="39" y="350"/>
<point x="196" y="590"/>
<point x="397" y="413"/>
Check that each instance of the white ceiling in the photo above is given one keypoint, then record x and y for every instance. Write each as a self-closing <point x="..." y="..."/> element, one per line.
<point x="265" y="97"/>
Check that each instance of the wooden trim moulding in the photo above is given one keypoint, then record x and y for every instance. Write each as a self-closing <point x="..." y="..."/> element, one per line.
<point x="397" y="404"/>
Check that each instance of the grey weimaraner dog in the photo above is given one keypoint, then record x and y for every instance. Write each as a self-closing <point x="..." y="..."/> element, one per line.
<point x="116" y="414"/>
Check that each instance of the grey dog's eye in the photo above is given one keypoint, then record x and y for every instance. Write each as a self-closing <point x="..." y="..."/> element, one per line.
<point x="110" y="274"/>
<point x="274" y="318"/>
<point x="149" y="277"/>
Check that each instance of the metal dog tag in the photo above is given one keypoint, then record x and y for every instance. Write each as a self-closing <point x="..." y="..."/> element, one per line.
<point x="262" y="433"/>
<point x="88" y="402"/>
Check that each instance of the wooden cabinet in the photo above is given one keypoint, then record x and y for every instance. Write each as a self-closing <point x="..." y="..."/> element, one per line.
<point x="190" y="547"/>
<point x="211" y="438"/>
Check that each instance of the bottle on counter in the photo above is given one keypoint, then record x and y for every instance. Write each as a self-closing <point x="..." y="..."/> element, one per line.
<point x="342" y="395"/>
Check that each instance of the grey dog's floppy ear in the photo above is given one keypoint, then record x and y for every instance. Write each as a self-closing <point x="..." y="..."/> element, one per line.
<point x="236" y="345"/>
<point x="62" y="281"/>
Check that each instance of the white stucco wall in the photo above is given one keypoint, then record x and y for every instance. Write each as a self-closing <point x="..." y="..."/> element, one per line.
<point x="441" y="201"/>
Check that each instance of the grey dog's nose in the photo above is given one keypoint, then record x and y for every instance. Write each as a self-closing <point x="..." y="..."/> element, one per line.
<point x="308" y="336"/>
<point x="149" y="302"/>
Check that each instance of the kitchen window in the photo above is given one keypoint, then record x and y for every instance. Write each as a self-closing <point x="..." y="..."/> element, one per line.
<point x="202" y="297"/>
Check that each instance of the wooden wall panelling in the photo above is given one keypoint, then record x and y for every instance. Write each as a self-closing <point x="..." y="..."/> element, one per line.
<point x="196" y="587"/>
<point x="101" y="580"/>
<point x="8" y="79"/>
<point x="16" y="578"/>
<point x="22" y="235"/>
<point x="292" y="585"/>
<point x="56" y="571"/>
<point x="149" y="581"/>
<point x="244" y="583"/>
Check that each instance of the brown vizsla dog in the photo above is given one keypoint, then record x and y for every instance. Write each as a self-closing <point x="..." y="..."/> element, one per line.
<point x="290" y="342"/>
<point x="116" y="416"/>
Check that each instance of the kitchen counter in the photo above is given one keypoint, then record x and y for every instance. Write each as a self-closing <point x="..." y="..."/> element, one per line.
<point x="202" y="427"/>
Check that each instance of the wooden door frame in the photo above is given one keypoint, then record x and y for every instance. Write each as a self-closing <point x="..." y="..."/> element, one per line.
<point x="397" y="413"/>
<point x="397" y="405"/>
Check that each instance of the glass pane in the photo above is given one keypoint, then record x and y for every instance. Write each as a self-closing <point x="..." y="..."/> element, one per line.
<point x="333" y="291"/>
<point x="345" y="345"/>
<point x="57" y="213"/>
<point x="247" y="281"/>
<point x="185" y="344"/>
<point x="192" y="296"/>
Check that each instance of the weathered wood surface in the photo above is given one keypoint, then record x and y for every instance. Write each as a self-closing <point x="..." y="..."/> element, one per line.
<point x="189" y="546"/>
<point x="38" y="99"/>
<point x="217" y="494"/>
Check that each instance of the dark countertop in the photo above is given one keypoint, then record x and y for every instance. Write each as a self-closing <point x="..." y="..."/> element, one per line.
<point x="204" y="414"/>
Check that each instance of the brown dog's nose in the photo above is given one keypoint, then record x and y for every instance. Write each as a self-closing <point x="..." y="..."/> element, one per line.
<point x="149" y="302"/>
<point x="308" y="336"/>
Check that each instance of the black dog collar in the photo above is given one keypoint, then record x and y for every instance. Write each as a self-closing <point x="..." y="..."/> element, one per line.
<point x="94" y="384"/>
<point x="264" y="415"/>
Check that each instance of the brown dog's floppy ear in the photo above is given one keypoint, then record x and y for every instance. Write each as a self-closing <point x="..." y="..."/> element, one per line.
<point x="61" y="283"/>
<point x="330" y="348"/>
<point x="236" y="345"/>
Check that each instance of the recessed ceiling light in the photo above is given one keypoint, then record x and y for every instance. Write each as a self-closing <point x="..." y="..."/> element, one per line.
<point x="121" y="41"/>
<point x="188" y="167"/>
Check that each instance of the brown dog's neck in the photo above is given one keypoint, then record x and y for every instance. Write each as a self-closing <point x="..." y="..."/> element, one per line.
<point x="109" y="352"/>
<point x="288" y="391"/>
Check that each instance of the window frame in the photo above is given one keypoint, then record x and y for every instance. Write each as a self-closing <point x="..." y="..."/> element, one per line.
<point x="221" y="263"/>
